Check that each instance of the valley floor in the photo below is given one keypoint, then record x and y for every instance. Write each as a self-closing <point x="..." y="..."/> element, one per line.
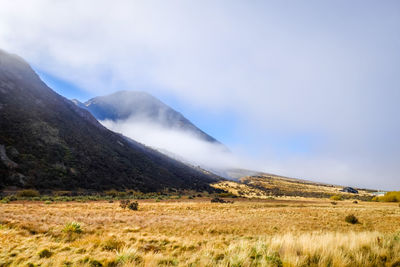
<point x="303" y="232"/>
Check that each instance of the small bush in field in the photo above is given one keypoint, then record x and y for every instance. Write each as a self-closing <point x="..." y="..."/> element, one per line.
<point x="45" y="253"/>
<point x="134" y="205"/>
<point x="334" y="203"/>
<point x="351" y="219"/>
<point x="355" y="202"/>
<point x="72" y="227"/>
<point x="28" y="193"/>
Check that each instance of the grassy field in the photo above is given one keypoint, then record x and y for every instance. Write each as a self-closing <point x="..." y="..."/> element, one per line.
<point x="195" y="232"/>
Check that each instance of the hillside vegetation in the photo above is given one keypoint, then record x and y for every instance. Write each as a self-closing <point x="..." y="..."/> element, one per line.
<point x="266" y="186"/>
<point x="393" y="196"/>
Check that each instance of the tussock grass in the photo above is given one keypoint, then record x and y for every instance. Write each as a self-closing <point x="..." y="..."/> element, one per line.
<point x="199" y="233"/>
<point x="72" y="227"/>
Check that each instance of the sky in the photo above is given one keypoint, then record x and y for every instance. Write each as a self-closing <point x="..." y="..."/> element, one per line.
<point x="306" y="89"/>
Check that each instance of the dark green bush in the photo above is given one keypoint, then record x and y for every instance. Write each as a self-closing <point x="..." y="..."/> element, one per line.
<point x="351" y="219"/>
<point x="134" y="205"/>
<point x="45" y="253"/>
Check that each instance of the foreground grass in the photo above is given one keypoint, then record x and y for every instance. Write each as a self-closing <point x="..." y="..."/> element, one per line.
<point x="200" y="233"/>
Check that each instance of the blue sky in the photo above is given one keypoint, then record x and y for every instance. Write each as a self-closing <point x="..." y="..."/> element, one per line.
<point x="306" y="89"/>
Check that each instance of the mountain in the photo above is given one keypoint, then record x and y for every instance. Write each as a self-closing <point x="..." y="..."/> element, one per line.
<point x="137" y="105"/>
<point x="48" y="142"/>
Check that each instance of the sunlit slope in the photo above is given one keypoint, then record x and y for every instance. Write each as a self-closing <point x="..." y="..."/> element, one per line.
<point x="267" y="185"/>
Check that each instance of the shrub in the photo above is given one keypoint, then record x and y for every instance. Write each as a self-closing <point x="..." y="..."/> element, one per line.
<point x="72" y="227"/>
<point x="336" y="197"/>
<point x="355" y="202"/>
<point x="28" y="193"/>
<point x="134" y="205"/>
<point x="351" y="219"/>
<point x="334" y="203"/>
<point x="45" y="253"/>
<point x="8" y="199"/>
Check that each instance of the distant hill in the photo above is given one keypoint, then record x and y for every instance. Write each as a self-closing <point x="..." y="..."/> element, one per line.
<point x="264" y="186"/>
<point x="48" y="142"/>
<point x="138" y="105"/>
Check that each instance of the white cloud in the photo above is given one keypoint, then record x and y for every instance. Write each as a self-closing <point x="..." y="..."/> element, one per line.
<point x="179" y="144"/>
<point x="325" y="69"/>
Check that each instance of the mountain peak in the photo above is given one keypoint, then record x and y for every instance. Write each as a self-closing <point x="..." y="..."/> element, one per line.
<point x="141" y="105"/>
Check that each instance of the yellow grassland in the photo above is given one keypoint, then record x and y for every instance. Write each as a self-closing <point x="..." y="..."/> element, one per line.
<point x="307" y="232"/>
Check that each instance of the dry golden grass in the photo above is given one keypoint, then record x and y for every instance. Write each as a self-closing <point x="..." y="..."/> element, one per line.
<point x="199" y="233"/>
<point x="265" y="186"/>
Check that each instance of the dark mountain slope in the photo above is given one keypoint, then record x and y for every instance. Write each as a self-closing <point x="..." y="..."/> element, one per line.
<point x="141" y="106"/>
<point x="46" y="141"/>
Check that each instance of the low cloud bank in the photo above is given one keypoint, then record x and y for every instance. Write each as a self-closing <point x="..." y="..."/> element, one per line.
<point x="179" y="144"/>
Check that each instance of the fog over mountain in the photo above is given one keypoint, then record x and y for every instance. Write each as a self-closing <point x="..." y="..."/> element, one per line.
<point x="142" y="107"/>
<point x="146" y="119"/>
